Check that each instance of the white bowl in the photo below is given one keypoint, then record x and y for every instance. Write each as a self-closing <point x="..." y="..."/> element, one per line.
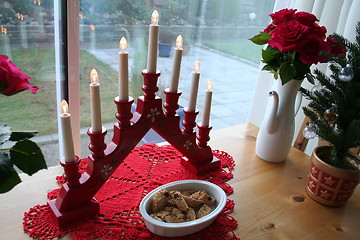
<point x="185" y="228"/>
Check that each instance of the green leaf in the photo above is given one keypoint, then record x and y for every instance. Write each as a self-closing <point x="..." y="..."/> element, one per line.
<point x="276" y="75"/>
<point x="6" y="167"/>
<point x="17" y="136"/>
<point x="290" y="56"/>
<point x="27" y="156"/>
<point x="271" y="69"/>
<point x="8" y="176"/>
<point x="268" y="67"/>
<point x="310" y="78"/>
<point x="301" y="69"/>
<point x="10" y="182"/>
<point x="287" y="72"/>
<point x="261" y="38"/>
<point x="5" y="132"/>
<point x="269" y="54"/>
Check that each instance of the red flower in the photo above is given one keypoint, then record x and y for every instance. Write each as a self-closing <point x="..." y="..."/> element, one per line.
<point x="279" y="17"/>
<point x="282" y="16"/>
<point x="310" y="52"/>
<point x="306" y="18"/>
<point x="333" y="47"/>
<point x="317" y="32"/>
<point x="12" y="80"/>
<point x="295" y="42"/>
<point x="270" y="27"/>
<point x="289" y="35"/>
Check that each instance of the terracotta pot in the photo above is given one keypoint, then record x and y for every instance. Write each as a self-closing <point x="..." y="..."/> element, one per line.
<point x="329" y="185"/>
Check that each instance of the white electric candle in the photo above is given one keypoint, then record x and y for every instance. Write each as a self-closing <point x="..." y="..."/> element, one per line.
<point x="68" y="144"/>
<point x="194" y="87"/>
<point x="123" y="71"/>
<point x="92" y="37"/>
<point x="96" y="125"/>
<point x="23" y="33"/>
<point x="174" y="82"/>
<point x="153" y="43"/>
<point x="207" y="105"/>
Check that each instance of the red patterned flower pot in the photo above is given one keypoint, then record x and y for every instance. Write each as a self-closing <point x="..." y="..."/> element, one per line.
<point x="329" y="185"/>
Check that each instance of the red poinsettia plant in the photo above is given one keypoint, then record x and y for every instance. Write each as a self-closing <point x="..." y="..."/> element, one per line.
<point x="15" y="146"/>
<point x="295" y="42"/>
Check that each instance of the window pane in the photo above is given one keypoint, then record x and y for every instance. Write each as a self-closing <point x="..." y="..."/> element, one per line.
<point x="216" y="32"/>
<point x="28" y="40"/>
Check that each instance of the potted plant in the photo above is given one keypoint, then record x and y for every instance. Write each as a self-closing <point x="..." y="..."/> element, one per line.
<point x="334" y="111"/>
<point x="166" y="40"/>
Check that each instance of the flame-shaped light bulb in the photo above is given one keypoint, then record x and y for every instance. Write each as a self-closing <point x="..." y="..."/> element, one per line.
<point x="94" y="76"/>
<point x="123" y="44"/>
<point x="197" y="66"/>
<point x="209" y="85"/>
<point x="179" y="42"/>
<point x="155" y="17"/>
<point x="64" y="107"/>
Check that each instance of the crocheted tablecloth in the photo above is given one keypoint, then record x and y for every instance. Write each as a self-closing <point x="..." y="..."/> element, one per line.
<point x="146" y="168"/>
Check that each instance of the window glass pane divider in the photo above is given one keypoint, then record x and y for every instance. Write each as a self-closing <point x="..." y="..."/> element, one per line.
<point x="59" y="74"/>
<point x="73" y="10"/>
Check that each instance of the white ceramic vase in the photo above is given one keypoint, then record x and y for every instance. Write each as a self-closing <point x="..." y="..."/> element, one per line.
<point x="277" y="129"/>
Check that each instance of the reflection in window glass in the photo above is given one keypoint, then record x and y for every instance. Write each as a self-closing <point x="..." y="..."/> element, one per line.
<point x="28" y="40"/>
<point x="214" y="32"/>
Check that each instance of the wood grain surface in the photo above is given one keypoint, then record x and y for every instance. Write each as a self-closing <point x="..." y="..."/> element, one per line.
<point x="271" y="202"/>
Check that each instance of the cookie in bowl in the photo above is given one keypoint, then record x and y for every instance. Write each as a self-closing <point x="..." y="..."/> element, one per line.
<point x="182" y="207"/>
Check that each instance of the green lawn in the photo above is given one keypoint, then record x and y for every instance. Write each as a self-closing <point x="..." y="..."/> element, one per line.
<point x="244" y="49"/>
<point x="25" y="111"/>
<point x="108" y="79"/>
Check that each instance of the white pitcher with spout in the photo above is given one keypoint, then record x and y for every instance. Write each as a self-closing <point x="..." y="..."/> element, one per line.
<point x="277" y="129"/>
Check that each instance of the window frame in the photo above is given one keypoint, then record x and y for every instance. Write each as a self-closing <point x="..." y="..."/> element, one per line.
<point x="67" y="57"/>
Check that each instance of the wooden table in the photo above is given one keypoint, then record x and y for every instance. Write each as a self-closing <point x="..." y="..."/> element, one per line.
<point x="271" y="202"/>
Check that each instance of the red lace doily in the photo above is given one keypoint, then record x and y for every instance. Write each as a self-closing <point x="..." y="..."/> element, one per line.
<point x="146" y="168"/>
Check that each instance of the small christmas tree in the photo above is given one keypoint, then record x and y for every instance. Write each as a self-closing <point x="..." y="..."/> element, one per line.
<point x="334" y="108"/>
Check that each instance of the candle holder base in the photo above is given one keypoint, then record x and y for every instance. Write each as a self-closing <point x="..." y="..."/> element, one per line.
<point x="75" y="199"/>
<point x="64" y="218"/>
<point x="200" y="169"/>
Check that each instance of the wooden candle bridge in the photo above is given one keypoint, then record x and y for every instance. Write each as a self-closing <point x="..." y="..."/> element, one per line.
<point x="76" y="197"/>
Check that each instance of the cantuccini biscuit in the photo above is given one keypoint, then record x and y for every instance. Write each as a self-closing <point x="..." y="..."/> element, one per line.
<point x="187" y="193"/>
<point x="173" y="219"/>
<point x="203" y="211"/>
<point x="190" y="214"/>
<point x="176" y="206"/>
<point x="175" y="211"/>
<point x="160" y="200"/>
<point x="179" y="200"/>
<point x="203" y="196"/>
<point x="193" y="202"/>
